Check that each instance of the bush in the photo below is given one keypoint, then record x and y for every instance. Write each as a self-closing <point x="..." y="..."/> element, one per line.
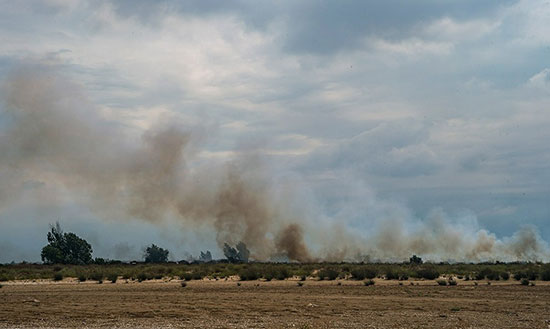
<point x="96" y="276"/>
<point x="520" y="275"/>
<point x="391" y="275"/>
<point x="524" y="282"/>
<point x="183" y="284"/>
<point x="505" y="276"/>
<point x="441" y="282"/>
<point x="142" y="276"/>
<point x="186" y="276"/>
<point x="363" y="272"/>
<point x="328" y="274"/>
<point x="369" y="282"/>
<point x="300" y="283"/>
<point x="452" y="282"/>
<point x="1" y="286"/>
<point x="545" y="274"/>
<point x="58" y="277"/>
<point x="487" y="273"/>
<point x="112" y="277"/>
<point x="427" y="273"/>
<point x="493" y="275"/>
<point x="81" y="277"/>
<point x="532" y="275"/>
<point x="248" y="274"/>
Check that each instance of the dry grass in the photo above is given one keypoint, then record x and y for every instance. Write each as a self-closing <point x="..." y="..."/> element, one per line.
<point x="274" y="304"/>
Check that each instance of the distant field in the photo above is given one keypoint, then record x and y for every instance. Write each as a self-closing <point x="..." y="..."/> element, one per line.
<point x="274" y="304"/>
<point x="272" y="271"/>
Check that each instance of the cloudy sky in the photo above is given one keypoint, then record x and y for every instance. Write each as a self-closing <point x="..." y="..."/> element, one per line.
<point x="365" y="106"/>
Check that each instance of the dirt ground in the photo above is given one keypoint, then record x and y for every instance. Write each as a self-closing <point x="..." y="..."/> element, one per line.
<point x="276" y="304"/>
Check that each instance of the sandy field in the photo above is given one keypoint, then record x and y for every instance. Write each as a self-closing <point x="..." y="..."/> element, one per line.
<point x="275" y="304"/>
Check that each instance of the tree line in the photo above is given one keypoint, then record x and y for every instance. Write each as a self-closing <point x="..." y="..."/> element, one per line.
<point x="68" y="248"/>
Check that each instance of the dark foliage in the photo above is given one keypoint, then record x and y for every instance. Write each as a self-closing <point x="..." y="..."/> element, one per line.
<point x="240" y="254"/>
<point x="66" y="248"/>
<point x="427" y="273"/>
<point x="156" y="254"/>
<point x="415" y="260"/>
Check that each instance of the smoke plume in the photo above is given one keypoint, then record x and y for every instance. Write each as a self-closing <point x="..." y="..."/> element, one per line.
<point x="52" y="135"/>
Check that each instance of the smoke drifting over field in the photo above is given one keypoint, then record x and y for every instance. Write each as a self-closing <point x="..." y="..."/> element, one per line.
<point x="52" y="135"/>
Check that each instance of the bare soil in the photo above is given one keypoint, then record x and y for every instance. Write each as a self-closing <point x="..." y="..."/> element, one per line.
<point x="275" y="304"/>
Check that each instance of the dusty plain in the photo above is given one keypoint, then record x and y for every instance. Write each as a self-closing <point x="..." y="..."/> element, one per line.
<point x="274" y="304"/>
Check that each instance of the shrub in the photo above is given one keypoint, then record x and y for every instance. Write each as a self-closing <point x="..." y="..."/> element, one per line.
<point x="391" y="275"/>
<point x="6" y="277"/>
<point x="524" y="282"/>
<point x="505" y="276"/>
<point x="1" y="286"/>
<point x="363" y="272"/>
<point x="532" y="274"/>
<point x="441" y="282"/>
<point x="248" y="274"/>
<point x="520" y="275"/>
<point x="81" y="277"/>
<point x="369" y="282"/>
<point x="300" y="283"/>
<point x="183" y="284"/>
<point x="186" y="276"/>
<point x="303" y="278"/>
<point x="112" y="277"/>
<point x="427" y="273"/>
<point x="142" y="276"/>
<point x="329" y="274"/>
<point x="58" y="277"/>
<point x="100" y="282"/>
<point x="486" y="273"/>
<point x="545" y="274"/>
<point x="96" y="276"/>
<point x="493" y="275"/>
<point x="452" y="282"/>
<point x="282" y="273"/>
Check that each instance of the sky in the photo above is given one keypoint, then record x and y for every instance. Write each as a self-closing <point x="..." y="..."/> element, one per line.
<point x="370" y="112"/>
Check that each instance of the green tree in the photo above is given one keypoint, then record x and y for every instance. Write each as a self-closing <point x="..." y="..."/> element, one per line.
<point x="66" y="248"/>
<point x="155" y="254"/>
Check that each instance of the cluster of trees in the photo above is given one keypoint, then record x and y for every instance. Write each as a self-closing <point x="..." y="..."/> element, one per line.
<point x="239" y="254"/>
<point x="68" y="248"/>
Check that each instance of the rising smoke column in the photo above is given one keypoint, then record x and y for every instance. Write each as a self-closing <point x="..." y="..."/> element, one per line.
<point x="52" y="135"/>
<point x="55" y="136"/>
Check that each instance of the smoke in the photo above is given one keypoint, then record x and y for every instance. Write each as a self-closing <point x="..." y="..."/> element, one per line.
<point x="52" y="135"/>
